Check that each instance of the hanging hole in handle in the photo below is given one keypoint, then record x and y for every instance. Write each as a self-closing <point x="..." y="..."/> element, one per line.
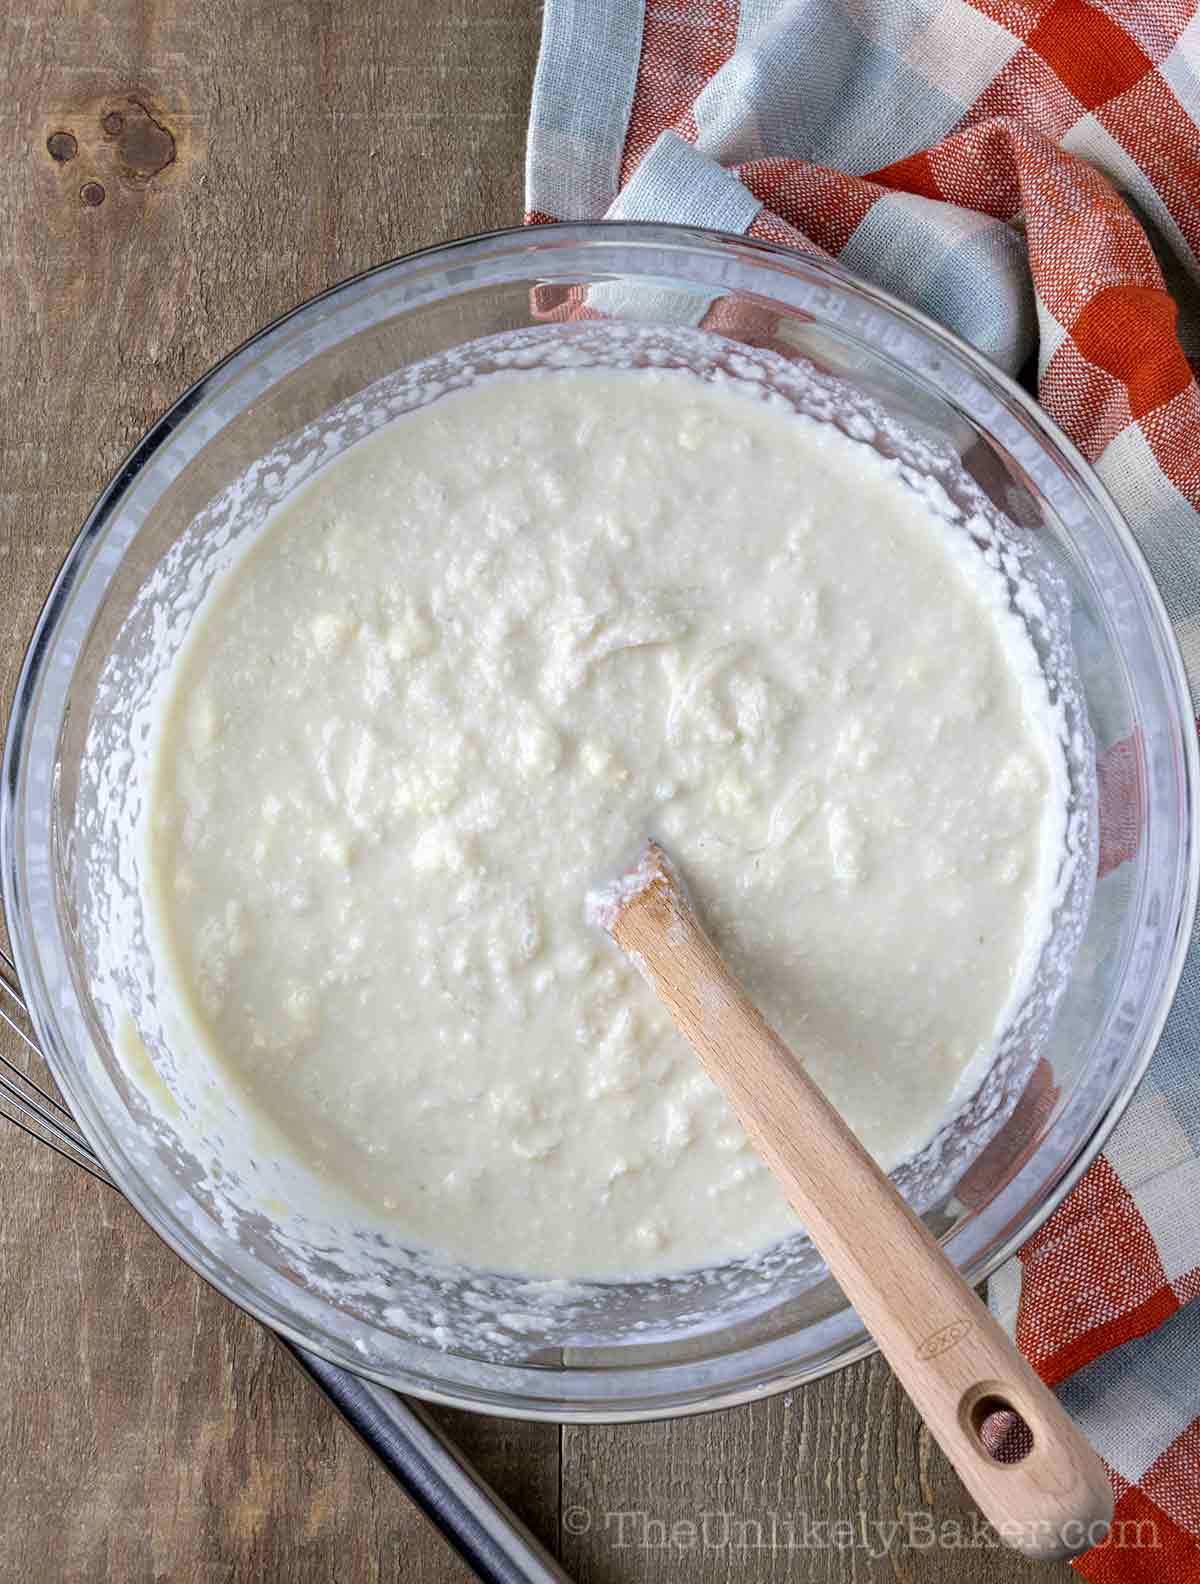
<point x="1003" y="1434"/>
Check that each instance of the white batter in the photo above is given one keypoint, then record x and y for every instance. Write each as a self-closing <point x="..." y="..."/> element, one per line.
<point x="455" y="683"/>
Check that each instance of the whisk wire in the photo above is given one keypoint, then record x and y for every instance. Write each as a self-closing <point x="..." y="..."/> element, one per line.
<point x="25" y="1102"/>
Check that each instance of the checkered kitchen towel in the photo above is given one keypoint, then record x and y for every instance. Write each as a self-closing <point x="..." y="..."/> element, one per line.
<point x="1028" y="172"/>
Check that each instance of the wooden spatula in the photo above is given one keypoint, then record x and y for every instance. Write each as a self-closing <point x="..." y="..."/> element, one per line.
<point x="953" y="1359"/>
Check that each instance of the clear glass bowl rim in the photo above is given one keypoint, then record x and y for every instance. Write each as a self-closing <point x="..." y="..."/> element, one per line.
<point x="496" y="1395"/>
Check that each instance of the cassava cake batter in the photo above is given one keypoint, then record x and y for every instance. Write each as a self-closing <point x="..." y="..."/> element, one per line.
<point x="453" y="685"/>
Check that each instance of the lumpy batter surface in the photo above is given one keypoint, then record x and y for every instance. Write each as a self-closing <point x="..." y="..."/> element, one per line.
<point x="452" y="686"/>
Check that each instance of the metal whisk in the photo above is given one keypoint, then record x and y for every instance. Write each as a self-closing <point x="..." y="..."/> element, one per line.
<point x="24" y="1101"/>
<point x="413" y="1448"/>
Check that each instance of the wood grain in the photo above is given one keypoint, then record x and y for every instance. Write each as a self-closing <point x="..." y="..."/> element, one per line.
<point x="838" y="1483"/>
<point x="151" y="1432"/>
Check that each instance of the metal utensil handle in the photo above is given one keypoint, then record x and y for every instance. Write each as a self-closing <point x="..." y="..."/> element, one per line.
<point x="484" y="1530"/>
<point x="416" y="1452"/>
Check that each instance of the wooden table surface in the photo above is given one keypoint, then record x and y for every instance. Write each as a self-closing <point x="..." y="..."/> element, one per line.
<point x="174" y="176"/>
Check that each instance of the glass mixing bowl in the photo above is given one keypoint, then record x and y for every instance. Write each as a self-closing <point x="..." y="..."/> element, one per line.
<point x="220" y="457"/>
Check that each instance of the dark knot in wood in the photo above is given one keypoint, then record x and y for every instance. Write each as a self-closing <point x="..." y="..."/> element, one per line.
<point x="62" y="146"/>
<point x="145" y="145"/>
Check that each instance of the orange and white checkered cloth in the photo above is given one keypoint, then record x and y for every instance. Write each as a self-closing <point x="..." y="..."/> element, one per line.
<point x="1028" y="172"/>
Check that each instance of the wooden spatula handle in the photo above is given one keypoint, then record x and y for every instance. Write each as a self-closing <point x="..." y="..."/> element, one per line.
<point x="956" y="1363"/>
